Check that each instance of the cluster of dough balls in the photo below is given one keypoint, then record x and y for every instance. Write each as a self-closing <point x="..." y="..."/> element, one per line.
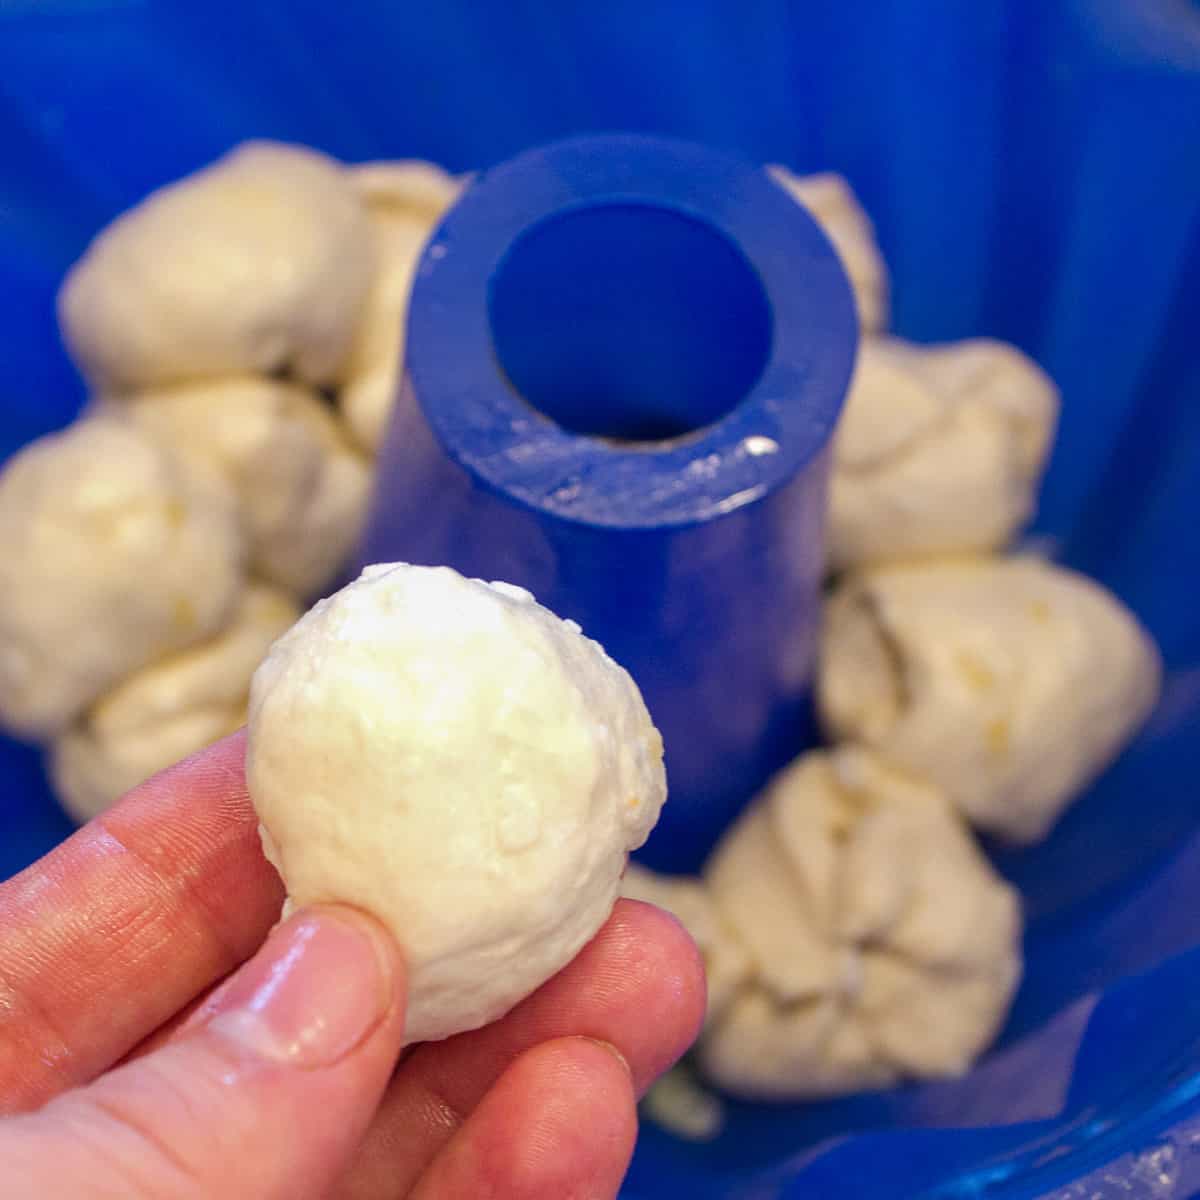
<point x="854" y="934"/>
<point x="246" y="322"/>
<point x="240" y="333"/>
<point x="1006" y="682"/>
<point x="454" y="758"/>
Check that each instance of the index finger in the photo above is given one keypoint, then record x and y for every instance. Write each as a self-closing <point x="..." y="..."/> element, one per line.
<point x="128" y="920"/>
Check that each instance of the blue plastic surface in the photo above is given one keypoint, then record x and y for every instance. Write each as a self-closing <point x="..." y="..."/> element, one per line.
<point x="682" y="295"/>
<point x="1033" y="171"/>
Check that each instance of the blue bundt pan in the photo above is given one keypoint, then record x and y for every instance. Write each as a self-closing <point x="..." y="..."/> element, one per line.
<point x="1033" y="168"/>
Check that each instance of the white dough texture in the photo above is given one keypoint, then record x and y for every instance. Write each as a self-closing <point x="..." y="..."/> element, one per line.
<point x="167" y="711"/>
<point x="884" y="946"/>
<point x="258" y="263"/>
<point x="112" y="555"/>
<point x="405" y="200"/>
<point x="939" y="450"/>
<point x="457" y="760"/>
<point x="1007" y="683"/>
<point x="302" y="490"/>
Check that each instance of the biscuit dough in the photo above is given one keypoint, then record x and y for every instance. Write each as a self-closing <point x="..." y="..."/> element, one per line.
<point x="1007" y="683"/>
<point x="884" y="946"/>
<point x="112" y="555"/>
<point x="167" y="711"/>
<point x="302" y="490"/>
<point x="939" y="450"/>
<point x="258" y="263"/>
<point x="405" y="200"/>
<point x="455" y="759"/>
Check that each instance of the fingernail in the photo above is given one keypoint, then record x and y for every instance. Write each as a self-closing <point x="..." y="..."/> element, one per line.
<point x="613" y="1051"/>
<point x="314" y="992"/>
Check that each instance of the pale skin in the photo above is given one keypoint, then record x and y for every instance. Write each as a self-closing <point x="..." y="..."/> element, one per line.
<point x="152" y="1044"/>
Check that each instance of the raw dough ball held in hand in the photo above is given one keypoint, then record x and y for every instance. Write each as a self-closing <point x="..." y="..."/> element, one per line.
<point x="405" y="201"/>
<point x="726" y="963"/>
<point x="451" y="757"/>
<point x="258" y="263"/>
<point x="112" y="555"/>
<point x="833" y="205"/>
<point x="1008" y="683"/>
<point x="939" y="450"/>
<point x="169" y="710"/>
<point x="884" y="945"/>
<point x="302" y="491"/>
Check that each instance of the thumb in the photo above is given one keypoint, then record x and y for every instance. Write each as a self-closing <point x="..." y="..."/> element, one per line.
<point x="266" y="1092"/>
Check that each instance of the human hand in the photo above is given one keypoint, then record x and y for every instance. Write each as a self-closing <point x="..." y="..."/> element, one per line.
<point x="133" y="1063"/>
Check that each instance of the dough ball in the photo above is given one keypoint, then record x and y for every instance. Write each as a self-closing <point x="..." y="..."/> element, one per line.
<point x="258" y="263"/>
<point x="405" y="200"/>
<point x="726" y="963"/>
<point x="112" y="554"/>
<point x="302" y="490"/>
<point x="1008" y="683"/>
<point x="884" y="945"/>
<point x="833" y="205"/>
<point x="452" y="757"/>
<point x="167" y="711"/>
<point x="939" y="450"/>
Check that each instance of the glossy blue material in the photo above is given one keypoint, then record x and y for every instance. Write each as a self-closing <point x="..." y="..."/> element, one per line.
<point x="1032" y="168"/>
<point x="682" y="294"/>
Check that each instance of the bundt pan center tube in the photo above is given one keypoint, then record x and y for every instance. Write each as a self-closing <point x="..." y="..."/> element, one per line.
<point x="625" y="359"/>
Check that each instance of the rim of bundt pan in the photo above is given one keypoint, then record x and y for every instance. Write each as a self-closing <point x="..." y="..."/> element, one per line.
<point x="768" y="435"/>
